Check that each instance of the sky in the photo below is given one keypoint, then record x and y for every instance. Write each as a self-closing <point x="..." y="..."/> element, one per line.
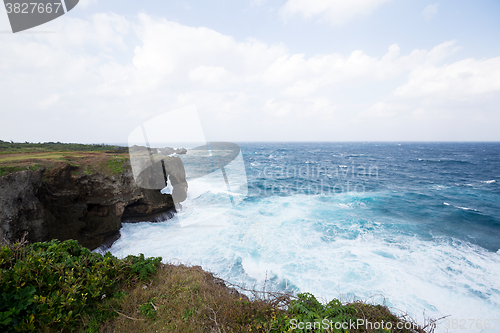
<point x="257" y="70"/>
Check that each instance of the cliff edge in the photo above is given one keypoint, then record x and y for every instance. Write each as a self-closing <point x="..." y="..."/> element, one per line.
<point x="68" y="202"/>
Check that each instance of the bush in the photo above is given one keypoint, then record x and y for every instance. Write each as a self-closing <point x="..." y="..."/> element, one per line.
<point x="50" y="286"/>
<point x="308" y="310"/>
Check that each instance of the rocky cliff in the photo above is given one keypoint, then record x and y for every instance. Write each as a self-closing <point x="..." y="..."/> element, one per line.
<point x="66" y="203"/>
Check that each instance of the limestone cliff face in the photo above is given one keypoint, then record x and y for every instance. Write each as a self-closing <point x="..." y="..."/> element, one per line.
<point x="67" y="204"/>
<point x="20" y="208"/>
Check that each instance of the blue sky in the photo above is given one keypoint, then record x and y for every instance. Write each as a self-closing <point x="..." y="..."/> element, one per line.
<point x="257" y="70"/>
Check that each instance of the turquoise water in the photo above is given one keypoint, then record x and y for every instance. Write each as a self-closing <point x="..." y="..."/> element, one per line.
<point x="413" y="225"/>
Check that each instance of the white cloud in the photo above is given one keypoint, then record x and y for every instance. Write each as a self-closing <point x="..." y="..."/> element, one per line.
<point x="383" y="110"/>
<point x="302" y="76"/>
<point x="101" y="77"/>
<point x="450" y="100"/>
<point x="335" y="12"/>
<point x="459" y="80"/>
<point x="209" y="74"/>
<point x="430" y="11"/>
<point x="169" y="50"/>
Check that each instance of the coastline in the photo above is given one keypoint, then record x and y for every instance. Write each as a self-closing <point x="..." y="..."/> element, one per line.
<point x="352" y="248"/>
<point x="82" y="195"/>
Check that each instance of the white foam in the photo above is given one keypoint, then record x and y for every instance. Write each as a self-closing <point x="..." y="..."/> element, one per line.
<point x="489" y="181"/>
<point x="315" y="244"/>
<point x="466" y="208"/>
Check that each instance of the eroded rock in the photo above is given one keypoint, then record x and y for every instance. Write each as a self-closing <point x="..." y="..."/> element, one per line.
<point x="68" y="204"/>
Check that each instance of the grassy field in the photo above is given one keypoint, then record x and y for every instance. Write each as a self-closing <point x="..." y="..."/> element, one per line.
<point x="27" y="147"/>
<point x="107" y="159"/>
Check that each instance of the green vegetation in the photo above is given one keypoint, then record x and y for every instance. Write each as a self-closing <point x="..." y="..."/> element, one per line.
<point x="101" y="158"/>
<point x="307" y="310"/>
<point x="63" y="287"/>
<point x="116" y="165"/>
<point x="16" y="147"/>
<point x="5" y="170"/>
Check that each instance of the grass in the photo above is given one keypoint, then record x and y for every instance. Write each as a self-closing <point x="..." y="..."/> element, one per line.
<point x="27" y="147"/>
<point x="116" y="164"/>
<point x="27" y="156"/>
<point x="5" y="170"/>
<point x="63" y="287"/>
<point x="109" y="160"/>
<point x="188" y="299"/>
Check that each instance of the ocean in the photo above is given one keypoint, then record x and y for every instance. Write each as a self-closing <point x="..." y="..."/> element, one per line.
<point x="414" y="226"/>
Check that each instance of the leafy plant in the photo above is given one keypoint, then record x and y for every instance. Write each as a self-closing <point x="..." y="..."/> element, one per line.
<point x="17" y="308"/>
<point x="54" y="283"/>
<point x="142" y="267"/>
<point x="148" y="309"/>
<point x="307" y="309"/>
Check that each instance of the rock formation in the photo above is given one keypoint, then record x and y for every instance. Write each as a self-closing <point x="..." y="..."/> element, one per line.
<point x="65" y="203"/>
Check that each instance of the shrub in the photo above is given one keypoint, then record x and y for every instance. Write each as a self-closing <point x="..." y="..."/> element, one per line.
<point x="50" y="286"/>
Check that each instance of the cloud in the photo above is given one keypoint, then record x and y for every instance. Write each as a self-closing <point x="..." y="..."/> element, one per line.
<point x="461" y="79"/>
<point x="99" y="78"/>
<point x="430" y="11"/>
<point x="383" y="110"/>
<point x="334" y="12"/>
<point x="301" y="76"/>
<point x="451" y="101"/>
<point x="169" y="50"/>
<point x="209" y="74"/>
